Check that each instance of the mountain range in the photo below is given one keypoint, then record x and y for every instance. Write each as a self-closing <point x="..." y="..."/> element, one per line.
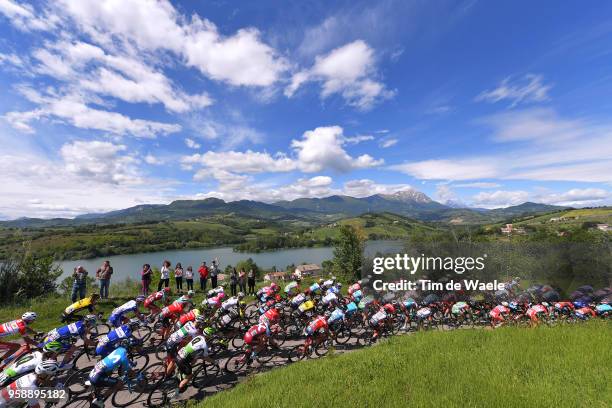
<point x="408" y="203"/>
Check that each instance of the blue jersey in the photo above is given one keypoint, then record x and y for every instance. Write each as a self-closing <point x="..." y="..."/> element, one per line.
<point x="314" y="288"/>
<point x="104" y="367"/>
<point x="65" y="333"/>
<point x="106" y="343"/>
<point x="337" y="315"/>
<point x="116" y="315"/>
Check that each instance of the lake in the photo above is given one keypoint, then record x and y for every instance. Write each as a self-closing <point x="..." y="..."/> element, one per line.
<point x="130" y="265"/>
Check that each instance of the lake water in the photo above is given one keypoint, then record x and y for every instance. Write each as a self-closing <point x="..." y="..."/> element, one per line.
<point x="130" y="265"/>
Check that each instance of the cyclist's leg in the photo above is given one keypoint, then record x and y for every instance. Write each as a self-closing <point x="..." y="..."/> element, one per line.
<point x="10" y="348"/>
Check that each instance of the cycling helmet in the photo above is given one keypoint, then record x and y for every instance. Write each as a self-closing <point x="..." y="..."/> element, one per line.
<point x="240" y="295"/>
<point x="505" y="304"/>
<point x="134" y="323"/>
<point x="274" y="286"/>
<point x="200" y="319"/>
<point x="47" y="367"/>
<point x="29" y="316"/>
<point x="339" y="285"/>
<point x="209" y="331"/>
<point x="90" y="319"/>
<point x="140" y="299"/>
<point x="190" y="294"/>
<point x="545" y="304"/>
<point x="53" y="347"/>
<point x="327" y="314"/>
<point x="321" y="280"/>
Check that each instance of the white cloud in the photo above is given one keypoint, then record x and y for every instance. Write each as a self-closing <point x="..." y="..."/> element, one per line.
<point x="322" y="148"/>
<point x="358" y="139"/>
<point x="192" y="144"/>
<point x="366" y="188"/>
<point x="73" y="110"/>
<point x="576" y="197"/>
<point x="478" y="184"/>
<point x="348" y="71"/>
<point x="241" y="59"/>
<point x="500" y="198"/>
<point x="386" y="143"/>
<point x="101" y="161"/>
<point x="241" y="162"/>
<point x="529" y="88"/>
<point x="444" y="169"/>
<point x="23" y="16"/>
<point x="546" y="148"/>
<point x="444" y="193"/>
<point x="54" y="187"/>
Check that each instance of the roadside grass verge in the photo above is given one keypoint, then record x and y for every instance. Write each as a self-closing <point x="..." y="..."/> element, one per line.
<point x="563" y="366"/>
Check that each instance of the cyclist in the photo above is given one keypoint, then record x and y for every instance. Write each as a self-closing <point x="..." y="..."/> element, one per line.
<point x="41" y="377"/>
<point x="109" y="342"/>
<point x="330" y="299"/>
<point x="293" y="287"/>
<point x="66" y="334"/>
<point x="215" y="291"/>
<point x="267" y="292"/>
<point x="171" y="313"/>
<point x="257" y="335"/>
<point x="231" y="305"/>
<point x="317" y="328"/>
<point x="26" y="364"/>
<point x="187" y="297"/>
<point x="328" y="283"/>
<point x="186" y="356"/>
<point x="149" y="302"/>
<point x="101" y="375"/>
<point x="354" y="287"/>
<point x="117" y="316"/>
<point x="536" y="311"/>
<point x="88" y="303"/>
<point x="377" y="321"/>
<point x="498" y="314"/>
<point x="187" y="317"/>
<point x="585" y="312"/>
<point x="18" y="326"/>
<point x="179" y="337"/>
<point x="213" y="303"/>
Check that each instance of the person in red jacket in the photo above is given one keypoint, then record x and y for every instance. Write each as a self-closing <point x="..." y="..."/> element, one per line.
<point x="203" y="271"/>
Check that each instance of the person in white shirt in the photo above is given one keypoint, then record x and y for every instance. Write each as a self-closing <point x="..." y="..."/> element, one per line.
<point x="164" y="279"/>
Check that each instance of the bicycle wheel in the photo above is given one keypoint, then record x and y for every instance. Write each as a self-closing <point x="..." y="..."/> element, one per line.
<point x="141" y="361"/>
<point x="265" y="355"/>
<point x="126" y="397"/>
<point x="84" y="359"/>
<point x="205" y="374"/>
<point x="75" y="382"/>
<point x="100" y="330"/>
<point x="238" y="341"/>
<point x="296" y="353"/>
<point x="155" y="372"/>
<point x="343" y="335"/>
<point x="322" y="349"/>
<point x="237" y="363"/>
<point x="142" y="334"/>
<point x="160" y="394"/>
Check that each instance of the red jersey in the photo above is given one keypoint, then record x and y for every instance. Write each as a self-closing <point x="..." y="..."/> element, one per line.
<point x="319" y="323"/>
<point x="254" y="332"/>
<point x="189" y="317"/>
<point x="16" y="326"/>
<point x="174" y="309"/>
<point x="152" y="298"/>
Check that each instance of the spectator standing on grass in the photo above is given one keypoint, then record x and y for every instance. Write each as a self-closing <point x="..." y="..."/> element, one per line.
<point x="164" y="278"/>
<point x="103" y="274"/>
<point x="251" y="279"/>
<point x="203" y="272"/>
<point x="146" y="274"/>
<point x="233" y="281"/>
<point x="79" y="286"/>
<point x="189" y="277"/>
<point x="242" y="280"/>
<point x="178" y="277"/>
<point x="213" y="272"/>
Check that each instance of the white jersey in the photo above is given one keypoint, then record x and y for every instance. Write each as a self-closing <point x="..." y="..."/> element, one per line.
<point x="197" y="345"/>
<point x="27" y="382"/>
<point x="188" y="330"/>
<point x="126" y="307"/>
<point x="229" y="303"/>
<point x="330" y="297"/>
<point x="23" y="365"/>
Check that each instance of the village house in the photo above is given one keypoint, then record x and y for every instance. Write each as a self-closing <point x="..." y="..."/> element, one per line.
<point x="604" y="227"/>
<point x="308" y="270"/>
<point x="276" y="276"/>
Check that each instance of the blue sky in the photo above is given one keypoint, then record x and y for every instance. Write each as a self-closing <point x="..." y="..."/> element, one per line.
<point x="108" y="104"/>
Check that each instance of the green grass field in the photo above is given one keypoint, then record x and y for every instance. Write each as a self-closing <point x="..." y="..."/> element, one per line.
<point x="565" y="366"/>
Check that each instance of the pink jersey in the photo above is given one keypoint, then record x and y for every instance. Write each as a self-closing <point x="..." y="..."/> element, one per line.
<point x="354" y="288"/>
<point x="14" y="327"/>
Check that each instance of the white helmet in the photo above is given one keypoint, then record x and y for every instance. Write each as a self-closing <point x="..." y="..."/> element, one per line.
<point x="505" y="304"/>
<point x="47" y="367"/>
<point x="29" y="316"/>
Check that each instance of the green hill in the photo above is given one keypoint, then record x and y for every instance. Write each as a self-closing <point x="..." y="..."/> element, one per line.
<point x="563" y="366"/>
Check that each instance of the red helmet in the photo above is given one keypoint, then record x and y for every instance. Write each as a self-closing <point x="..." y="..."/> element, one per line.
<point x="389" y="308"/>
<point x="274" y="286"/>
<point x="167" y="290"/>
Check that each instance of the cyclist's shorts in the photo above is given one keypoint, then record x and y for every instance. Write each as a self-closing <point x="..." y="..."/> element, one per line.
<point x="183" y="366"/>
<point x="115" y="320"/>
<point x="104" y="350"/>
<point x="104" y="381"/>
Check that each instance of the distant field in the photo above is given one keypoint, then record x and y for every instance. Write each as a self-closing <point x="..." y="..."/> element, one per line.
<point x="566" y="366"/>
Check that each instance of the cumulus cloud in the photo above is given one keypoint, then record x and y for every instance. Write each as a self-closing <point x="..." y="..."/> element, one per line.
<point x="241" y="162"/>
<point x="192" y="144"/>
<point x="444" y="169"/>
<point x="367" y="187"/>
<point x="576" y="197"/>
<point x="322" y="148"/>
<point x="529" y="88"/>
<point x="349" y="71"/>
